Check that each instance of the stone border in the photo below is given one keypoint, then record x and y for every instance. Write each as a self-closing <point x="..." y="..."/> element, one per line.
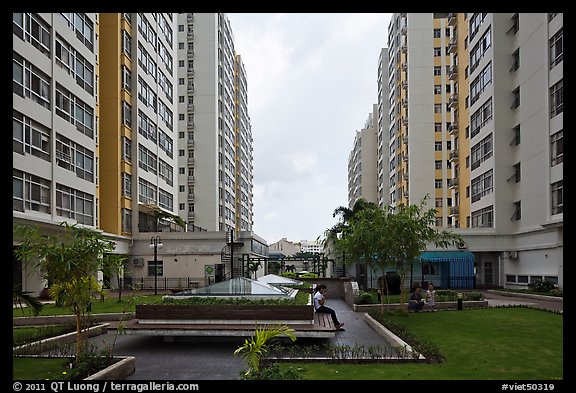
<point x="439" y="306"/>
<point x="388" y="335"/>
<point x="122" y="368"/>
<point x="59" y="319"/>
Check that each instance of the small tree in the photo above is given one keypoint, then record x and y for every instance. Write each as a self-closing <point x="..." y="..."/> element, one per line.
<point x="114" y="264"/>
<point x="254" y="350"/>
<point x="392" y="237"/>
<point x="69" y="260"/>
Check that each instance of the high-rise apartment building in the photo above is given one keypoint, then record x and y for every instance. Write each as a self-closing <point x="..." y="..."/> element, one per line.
<point x="130" y="123"/>
<point x="137" y="124"/>
<point x="55" y="117"/>
<point x="384" y="182"/>
<point x="215" y="137"/>
<point x="476" y="123"/>
<point x="362" y="162"/>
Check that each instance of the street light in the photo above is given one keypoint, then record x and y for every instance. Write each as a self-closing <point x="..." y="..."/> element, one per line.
<point x="155" y="243"/>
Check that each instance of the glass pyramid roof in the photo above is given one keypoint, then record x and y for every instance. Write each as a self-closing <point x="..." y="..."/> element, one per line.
<point x="238" y="286"/>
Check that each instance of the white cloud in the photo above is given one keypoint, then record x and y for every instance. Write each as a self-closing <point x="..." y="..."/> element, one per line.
<point x="311" y="85"/>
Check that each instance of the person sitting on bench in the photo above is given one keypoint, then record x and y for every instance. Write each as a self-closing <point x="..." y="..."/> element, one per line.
<point x="416" y="301"/>
<point x="320" y="300"/>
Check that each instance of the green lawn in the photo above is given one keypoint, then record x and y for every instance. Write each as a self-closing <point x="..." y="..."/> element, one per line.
<point x="38" y="368"/>
<point x="484" y="344"/>
<point x="109" y="305"/>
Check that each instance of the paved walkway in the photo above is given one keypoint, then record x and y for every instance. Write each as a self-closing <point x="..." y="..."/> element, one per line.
<point x="212" y="358"/>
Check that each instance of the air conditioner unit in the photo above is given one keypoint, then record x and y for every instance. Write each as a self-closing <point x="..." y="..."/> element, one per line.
<point x="461" y="245"/>
<point x="138" y="262"/>
<point x="513" y="254"/>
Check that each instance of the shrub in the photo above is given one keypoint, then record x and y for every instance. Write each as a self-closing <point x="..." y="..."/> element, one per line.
<point x="542" y="286"/>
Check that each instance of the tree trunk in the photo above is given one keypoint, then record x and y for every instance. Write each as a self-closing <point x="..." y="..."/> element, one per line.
<point x="403" y="294"/>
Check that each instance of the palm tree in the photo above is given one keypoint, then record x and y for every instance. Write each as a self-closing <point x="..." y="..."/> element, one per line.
<point x="25" y="299"/>
<point x="253" y="267"/>
<point x="254" y="350"/>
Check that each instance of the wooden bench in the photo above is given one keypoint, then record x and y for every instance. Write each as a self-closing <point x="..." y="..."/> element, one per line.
<point x="325" y="320"/>
<point x="323" y="327"/>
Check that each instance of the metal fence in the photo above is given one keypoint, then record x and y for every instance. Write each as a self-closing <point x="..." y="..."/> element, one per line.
<point x="165" y="283"/>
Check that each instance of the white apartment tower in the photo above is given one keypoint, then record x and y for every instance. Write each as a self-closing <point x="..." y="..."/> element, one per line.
<point x="384" y="182"/>
<point x="362" y="162"/>
<point x="476" y="122"/>
<point x="54" y="117"/>
<point x="215" y="140"/>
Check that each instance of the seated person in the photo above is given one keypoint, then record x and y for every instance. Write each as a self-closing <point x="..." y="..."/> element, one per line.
<point x="416" y="301"/>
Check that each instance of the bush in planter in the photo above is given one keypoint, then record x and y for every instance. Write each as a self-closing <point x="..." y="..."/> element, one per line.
<point x="542" y="286"/>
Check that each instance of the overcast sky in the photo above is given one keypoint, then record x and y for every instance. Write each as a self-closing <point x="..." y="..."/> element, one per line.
<point x="312" y="81"/>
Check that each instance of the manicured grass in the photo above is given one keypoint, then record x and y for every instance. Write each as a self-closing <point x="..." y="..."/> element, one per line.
<point x="38" y="368"/>
<point x="109" y="305"/>
<point x="485" y="344"/>
<point x="23" y="335"/>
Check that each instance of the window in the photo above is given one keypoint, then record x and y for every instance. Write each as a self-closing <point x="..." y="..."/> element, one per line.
<point x="437" y="127"/>
<point x="438" y="164"/>
<point x="30" y="137"/>
<point x="438" y="183"/>
<point x="437" y="89"/>
<point x="437" y="70"/>
<point x="480" y="83"/>
<point x="30" y="192"/>
<point x="481" y="117"/>
<point x="557" y="98"/>
<point x="515" y="18"/>
<point x="517" y="215"/>
<point x="481" y="151"/>
<point x="516" y="99"/>
<point x="158" y="266"/>
<point x="516" y="139"/>
<point x="438" y="202"/>
<point x="482" y="185"/>
<point x="557" y="197"/>
<point x="483" y="218"/>
<point x="436" y="33"/>
<point x="429" y="269"/>
<point x="478" y="51"/>
<point x="557" y="148"/>
<point x="516" y="173"/>
<point x="28" y="81"/>
<point x="557" y="48"/>
<point x="437" y="108"/>
<point x="438" y="146"/>
<point x="515" y="60"/>
<point x="437" y="52"/>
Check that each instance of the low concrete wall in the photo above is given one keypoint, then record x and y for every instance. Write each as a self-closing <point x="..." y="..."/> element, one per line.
<point x="62" y="319"/>
<point x="117" y="371"/>
<point x="439" y="306"/>
<point x="41" y="345"/>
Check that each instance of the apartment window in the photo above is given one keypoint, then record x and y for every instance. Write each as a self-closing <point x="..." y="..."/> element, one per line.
<point x="438" y="164"/>
<point x="438" y="146"/>
<point x="180" y="45"/>
<point x="515" y="24"/>
<point x="557" y="197"/>
<point x="479" y="118"/>
<point x="438" y="202"/>
<point x="126" y="149"/>
<point x="437" y="89"/>
<point x="481" y="151"/>
<point x="515" y="60"/>
<point x="557" y="98"/>
<point x="478" y="51"/>
<point x="146" y="192"/>
<point x="516" y="138"/>
<point x="437" y="70"/>
<point x="438" y="183"/>
<point x="32" y="28"/>
<point x="157" y="266"/>
<point x="82" y="26"/>
<point x="551" y="15"/>
<point x="483" y="218"/>
<point x="438" y="221"/>
<point x="516" y="99"/>
<point x="30" y="192"/>
<point x="437" y="127"/>
<point x="126" y="43"/>
<point x="436" y="33"/>
<point x="126" y="78"/>
<point x="180" y="63"/>
<point x="475" y="21"/>
<point x="515" y="174"/>
<point x="126" y="220"/>
<point x="74" y="204"/>
<point x="75" y="111"/>
<point x="126" y="185"/>
<point x="557" y="48"/>
<point x="480" y="83"/>
<point x="437" y="52"/>
<point x="126" y="114"/>
<point x="437" y="108"/>
<point x="557" y="148"/>
<point x="482" y="185"/>
<point x="517" y="215"/>
<point x="30" y="137"/>
<point x="181" y="81"/>
<point x="28" y="81"/>
<point x="165" y="172"/>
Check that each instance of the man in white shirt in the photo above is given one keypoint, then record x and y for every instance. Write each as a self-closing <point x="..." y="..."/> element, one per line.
<point x="320" y="299"/>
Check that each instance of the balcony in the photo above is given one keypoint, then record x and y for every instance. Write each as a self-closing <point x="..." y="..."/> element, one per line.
<point x="452" y="19"/>
<point x="453" y="183"/>
<point x="453" y="128"/>
<point x="453" y="72"/>
<point x="453" y="156"/>
<point x="453" y="44"/>
<point x="453" y="101"/>
<point x="454" y="210"/>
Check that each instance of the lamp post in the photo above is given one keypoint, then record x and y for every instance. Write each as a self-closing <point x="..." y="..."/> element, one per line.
<point x="156" y="243"/>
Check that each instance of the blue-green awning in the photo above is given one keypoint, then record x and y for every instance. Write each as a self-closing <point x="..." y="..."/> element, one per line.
<point x="447" y="256"/>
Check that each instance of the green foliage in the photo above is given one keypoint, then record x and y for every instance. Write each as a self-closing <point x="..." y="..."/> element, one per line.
<point x="367" y="297"/>
<point x="25" y="299"/>
<point x="273" y="371"/>
<point x="429" y="350"/>
<point x="542" y="286"/>
<point x="26" y="335"/>
<point x="302" y="298"/>
<point x="90" y="362"/>
<point x="254" y="350"/>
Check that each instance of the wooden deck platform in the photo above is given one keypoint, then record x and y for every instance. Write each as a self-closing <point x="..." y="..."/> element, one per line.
<point x="323" y="327"/>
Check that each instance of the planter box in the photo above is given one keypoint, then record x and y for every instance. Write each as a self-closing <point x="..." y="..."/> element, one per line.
<point x="224" y="314"/>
